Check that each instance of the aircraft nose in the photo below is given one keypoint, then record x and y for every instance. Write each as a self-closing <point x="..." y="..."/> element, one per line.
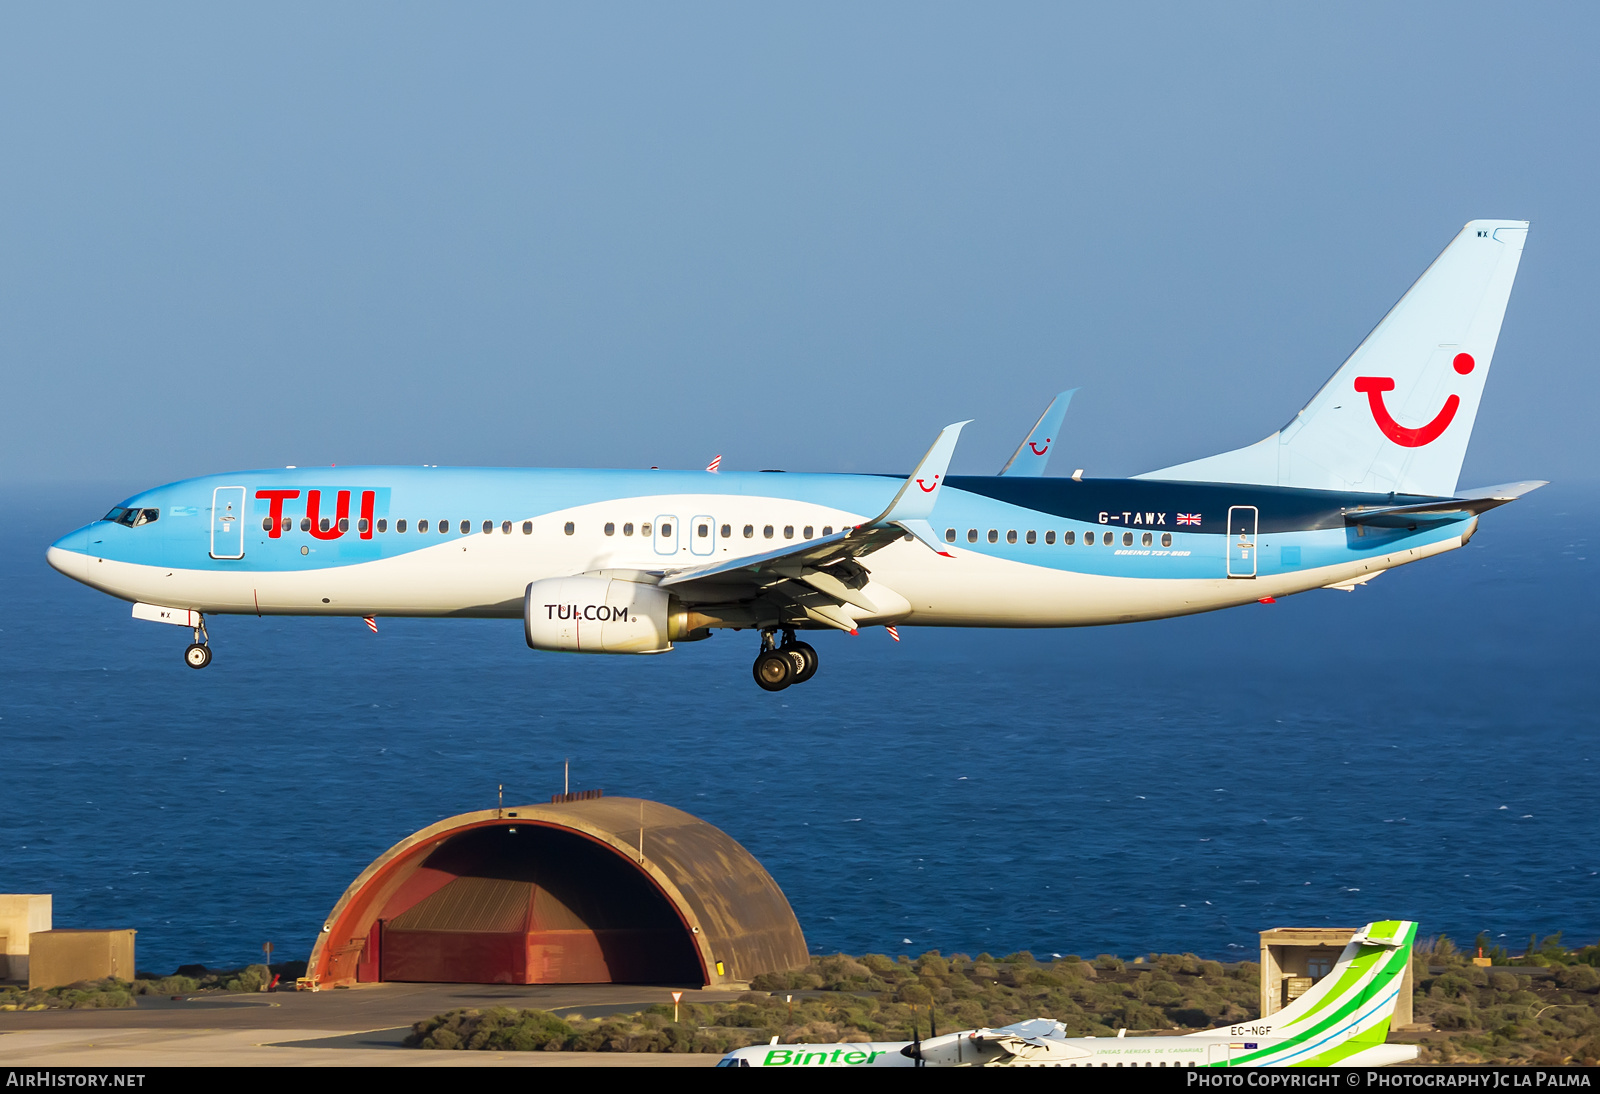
<point x="68" y="554"/>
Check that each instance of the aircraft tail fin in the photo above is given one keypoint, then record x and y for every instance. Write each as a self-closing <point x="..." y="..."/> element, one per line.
<point x="1398" y="414"/>
<point x="1346" y="1012"/>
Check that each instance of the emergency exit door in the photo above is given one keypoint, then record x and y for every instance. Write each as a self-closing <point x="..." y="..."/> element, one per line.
<point x="1242" y="525"/>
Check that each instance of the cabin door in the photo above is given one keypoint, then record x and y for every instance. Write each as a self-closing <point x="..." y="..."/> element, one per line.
<point x="1242" y="525"/>
<point x="227" y="522"/>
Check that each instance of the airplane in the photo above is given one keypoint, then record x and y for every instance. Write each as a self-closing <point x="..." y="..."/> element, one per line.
<point x="1342" y="1021"/>
<point x="1361" y="480"/>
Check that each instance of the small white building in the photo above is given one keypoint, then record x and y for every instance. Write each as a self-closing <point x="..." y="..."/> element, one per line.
<point x="21" y="915"/>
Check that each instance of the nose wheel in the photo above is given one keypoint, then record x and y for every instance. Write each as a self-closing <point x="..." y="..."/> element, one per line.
<point x="779" y="665"/>
<point x="198" y="653"/>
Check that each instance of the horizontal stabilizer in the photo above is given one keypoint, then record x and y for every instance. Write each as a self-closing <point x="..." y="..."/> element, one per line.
<point x="1469" y="503"/>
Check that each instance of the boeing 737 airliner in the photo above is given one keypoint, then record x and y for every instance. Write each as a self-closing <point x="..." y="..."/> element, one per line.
<point x="1361" y="480"/>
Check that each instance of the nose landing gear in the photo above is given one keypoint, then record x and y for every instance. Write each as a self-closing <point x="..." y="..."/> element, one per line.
<point x="198" y="653"/>
<point x="779" y="665"/>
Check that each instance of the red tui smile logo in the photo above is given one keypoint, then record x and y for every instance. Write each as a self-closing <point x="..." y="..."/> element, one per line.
<point x="1037" y="451"/>
<point x="926" y="487"/>
<point x="1374" y="387"/>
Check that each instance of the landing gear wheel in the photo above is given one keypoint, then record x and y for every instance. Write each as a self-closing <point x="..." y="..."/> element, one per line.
<point x="804" y="653"/>
<point x="197" y="656"/>
<point x="774" y="670"/>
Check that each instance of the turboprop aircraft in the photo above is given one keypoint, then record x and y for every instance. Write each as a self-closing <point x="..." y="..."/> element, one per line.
<point x="1361" y="480"/>
<point x="1342" y="1021"/>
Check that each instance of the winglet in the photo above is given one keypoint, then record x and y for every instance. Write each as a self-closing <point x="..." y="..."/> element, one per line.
<point x="918" y="493"/>
<point x="1034" y="452"/>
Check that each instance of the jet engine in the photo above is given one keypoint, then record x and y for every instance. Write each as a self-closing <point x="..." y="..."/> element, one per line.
<point x="605" y="615"/>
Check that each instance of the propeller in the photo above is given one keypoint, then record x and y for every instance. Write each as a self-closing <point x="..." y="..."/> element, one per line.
<point x="914" y="1049"/>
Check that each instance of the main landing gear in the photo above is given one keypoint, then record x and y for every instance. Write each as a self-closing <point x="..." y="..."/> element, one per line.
<point x="198" y="653"/>
<point x="779" y="665"/>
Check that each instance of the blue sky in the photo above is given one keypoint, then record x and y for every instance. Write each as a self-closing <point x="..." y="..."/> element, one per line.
<point x="803" y="237"/>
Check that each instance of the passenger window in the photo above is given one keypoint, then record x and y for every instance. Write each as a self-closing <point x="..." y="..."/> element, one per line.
<point x="1166" y="539"/>
<point x="749" y="531"/>
<point x="767" y="531"/>
<point x="305" y="524"/>
<point x="466" y="526"/>
<point x="627" y="529"/>
<point x="383" y="524"/>
<point x="444" y="527"/>
<point x="527" y="527"/>
<point x="324" y="524"/>
<point x="400" y="526"/>
<point x="344" y="524"/>
<point x="807" y="532"/>
<point x="422" y="526"/>
<point x="1127" y="539"/>
<point x="994" y="536"/>
<point x="610" y="529"/>
<point x="1068" y="537"/>
<point x="1147" y="539"/>
<point x="569" y="528"/>
<point x="702" y="530"/>
<point x="505" y="527"/>
<point x="827" y="529"/>
<point x="1050" y="536"/>
<point x="488" y="527"/>
<point x="1088" y="538"/>
<point x="644" y="529"/>
<point x="727" y="531"/>
<point x="1033" y="537"/>
<point x="788" y="531"/>
<point x="972" y="535"/>
<point x="666" y="530"/>
<point x="288" y="523"/>
<point x="949" y="535"/>
<point x="1011" y="536"/>
<point x="362" y="526"/>
<point x="266" y="524"/>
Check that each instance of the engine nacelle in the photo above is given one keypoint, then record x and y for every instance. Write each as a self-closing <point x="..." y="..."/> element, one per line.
<point x="603" y="615"/>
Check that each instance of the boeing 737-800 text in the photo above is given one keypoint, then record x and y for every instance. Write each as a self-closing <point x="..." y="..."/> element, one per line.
<point x="1361" y="480"/>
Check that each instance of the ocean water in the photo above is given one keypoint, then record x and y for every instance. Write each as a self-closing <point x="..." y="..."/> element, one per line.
<point x="1424" y="747"/>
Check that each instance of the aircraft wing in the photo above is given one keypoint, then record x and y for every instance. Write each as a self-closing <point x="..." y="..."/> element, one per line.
<point x="1035" y="1041"/>
<point x="1034" y="452"/>
<point x="819" y="577"/>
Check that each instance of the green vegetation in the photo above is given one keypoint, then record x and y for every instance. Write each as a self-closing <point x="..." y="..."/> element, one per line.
<point x="1487" y="1015"/>
<point x="1491" y="1015"/>
<point x="841" y="998"/>
<point x="124" y="993"/>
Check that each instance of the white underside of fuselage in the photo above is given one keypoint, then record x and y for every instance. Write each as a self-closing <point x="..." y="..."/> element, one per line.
<point x="485" y="576"/>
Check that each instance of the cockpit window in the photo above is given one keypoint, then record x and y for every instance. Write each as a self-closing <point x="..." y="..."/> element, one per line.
<point x="132" y="517"/>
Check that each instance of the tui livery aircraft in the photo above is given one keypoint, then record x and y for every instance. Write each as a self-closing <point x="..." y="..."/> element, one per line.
<point x="1342" y="1021"/>
<point x="1361" y="480"/>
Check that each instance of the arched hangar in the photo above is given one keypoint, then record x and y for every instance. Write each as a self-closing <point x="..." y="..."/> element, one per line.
<point x="604" y="890"/>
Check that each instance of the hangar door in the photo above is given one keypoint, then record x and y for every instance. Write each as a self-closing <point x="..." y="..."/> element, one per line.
<point x="527" y="904"/>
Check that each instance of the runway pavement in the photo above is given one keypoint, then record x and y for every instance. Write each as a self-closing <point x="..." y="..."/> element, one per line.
<point x="361" y="1026"/>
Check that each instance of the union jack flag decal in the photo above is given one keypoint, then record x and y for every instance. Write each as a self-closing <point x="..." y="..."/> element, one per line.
<point x="1188" y="518"/>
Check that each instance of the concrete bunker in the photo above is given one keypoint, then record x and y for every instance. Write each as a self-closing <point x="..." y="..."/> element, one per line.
<point x="604" y="890"/>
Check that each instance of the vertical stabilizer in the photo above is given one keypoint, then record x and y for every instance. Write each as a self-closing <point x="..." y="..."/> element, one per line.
<point x="1398" y="414"/>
